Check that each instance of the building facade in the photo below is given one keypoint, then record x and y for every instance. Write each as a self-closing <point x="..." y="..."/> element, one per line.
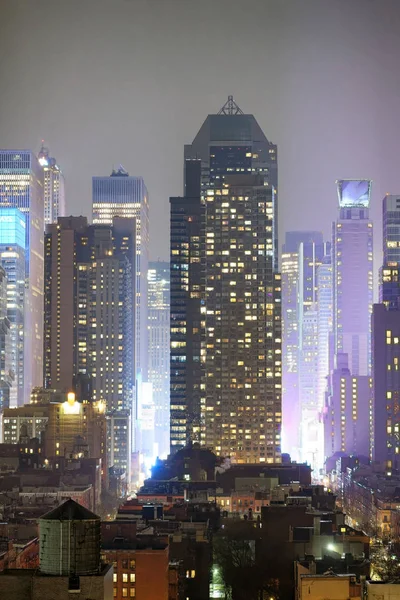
<point x="89" y="314"/>
<point x="159" y="340"/>
<point x="391" y="229"/>
<point x="21" y="186"/>
<point x="302" y="255"/>
<point x="187" y="319"/>
<point x="53" y="187"/>
<point x="229" y="143"/>
<point x="12" y="258"/>
<point x="6" y="376"/>
<point x="385" y="342"/>
<point x="241" y="412"/>
<point x="352" y="269"/>
<point x="347" y="420"/>
<point x="386" y="391"/>
<point x="121" y="195"/>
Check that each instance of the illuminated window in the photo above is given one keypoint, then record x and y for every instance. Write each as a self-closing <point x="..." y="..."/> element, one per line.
<point x="125" y="577"/>
<point x="133" y="577"/>
<point x="132" y="592"/>
<point x="115" y="578"/>
<point x="124" y="592"/>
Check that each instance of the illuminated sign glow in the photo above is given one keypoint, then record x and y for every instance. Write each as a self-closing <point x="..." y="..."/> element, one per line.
<point x="354" y="192"/>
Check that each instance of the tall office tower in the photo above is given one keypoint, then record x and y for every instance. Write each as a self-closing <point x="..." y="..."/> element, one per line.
<point x="386" y="390"/>
<point x="347" y="421"/>
<point x="89" y="311"/>
<point x="187" y="318"/>
<point x="391" y="229"/>
<point x="123" y="196"/>
<point x="21" y="186"/>
<point x="352" y="267"/>
<point x="66" y="248"/>
<point x="324" y="327"/>
<point x="6" y="378"/>
<point x="311" y="257"/>
<point x="389" y="282"/>
<point x="53" y="186"/>
<point x="228" y="143"/>
<point x="159" y="339"/>
<point x="385" y="343"/>
<point x="302" y="252"/>
<point x="12" y="259"/>
<point x="242" y="403"/>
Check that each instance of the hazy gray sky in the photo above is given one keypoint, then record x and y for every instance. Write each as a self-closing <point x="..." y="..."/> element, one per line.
<point x="106" y="82"/>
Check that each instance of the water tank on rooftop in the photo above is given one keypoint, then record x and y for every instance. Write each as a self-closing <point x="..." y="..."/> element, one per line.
<point x="69" y="539"/>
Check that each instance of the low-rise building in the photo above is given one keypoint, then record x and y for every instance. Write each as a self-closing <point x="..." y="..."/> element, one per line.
<point x="140" y="562"/>
<point x="314" y="587"/>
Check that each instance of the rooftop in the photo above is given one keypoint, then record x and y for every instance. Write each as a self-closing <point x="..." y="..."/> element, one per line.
<point x="70" y="511"/>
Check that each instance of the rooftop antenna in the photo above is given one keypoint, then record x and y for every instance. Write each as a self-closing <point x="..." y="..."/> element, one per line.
<point x="230" y="108"/>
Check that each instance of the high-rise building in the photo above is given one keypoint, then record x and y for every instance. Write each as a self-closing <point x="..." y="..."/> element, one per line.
<point x="324" y="327"/>
<point x="386" y="390"/>
<point x="386" y="343"/>
<point x="6" y="378"/>
<point x="302" y="255"/>
<point x="352" y="267"/>
<point x="311" y="257"/>
<point x="290" y="353"/>
<point x="12" y="259"/>
<point x="53" y="187"/>
<point x="228" y="143"/>
<point x="89" y="312"/>
<point x="389" y="282"/>
<point x="241" y="413"/>
<point x="187" y="317"/>
<point x="159" y="339"/>
<point x="391" y="229"/>
<point x="347" y="419"/>
<point x="21" y="186"/>
<point x="121" y="195"/>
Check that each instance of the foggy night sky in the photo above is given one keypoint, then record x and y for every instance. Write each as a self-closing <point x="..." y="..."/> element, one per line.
<point x="106" y="82"/>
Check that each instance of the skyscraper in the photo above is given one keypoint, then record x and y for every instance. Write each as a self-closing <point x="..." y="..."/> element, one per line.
<point x="89" y="313"/>
<point x="121" y="195"/>
<point x="302" y="255"/>
<point x="241" y="413"/>
<point x="187" y="318"/>
<point x="21" y="186"/>
<point x="53" y="186"/>
<point x="324" y="327"/>
<point x="347" y="420"/>
<point x="391" y="229"/>
<point x="159" y="340"/>
<point x="12" y="259"/>
<point x="231" y="142"/>
<point x="5" y="366"/>
<point x="352" y="262"/>
<point x="389" y="282"/>
<point x="386" y="343"/>
<point x="348" y="409"/>
<point x="228" y="143"/>
<point x="311" y="257"/>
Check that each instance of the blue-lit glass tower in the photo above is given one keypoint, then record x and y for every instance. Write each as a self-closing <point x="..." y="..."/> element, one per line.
<point x="12" y="259"/>
<point x="21" y="186"/>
